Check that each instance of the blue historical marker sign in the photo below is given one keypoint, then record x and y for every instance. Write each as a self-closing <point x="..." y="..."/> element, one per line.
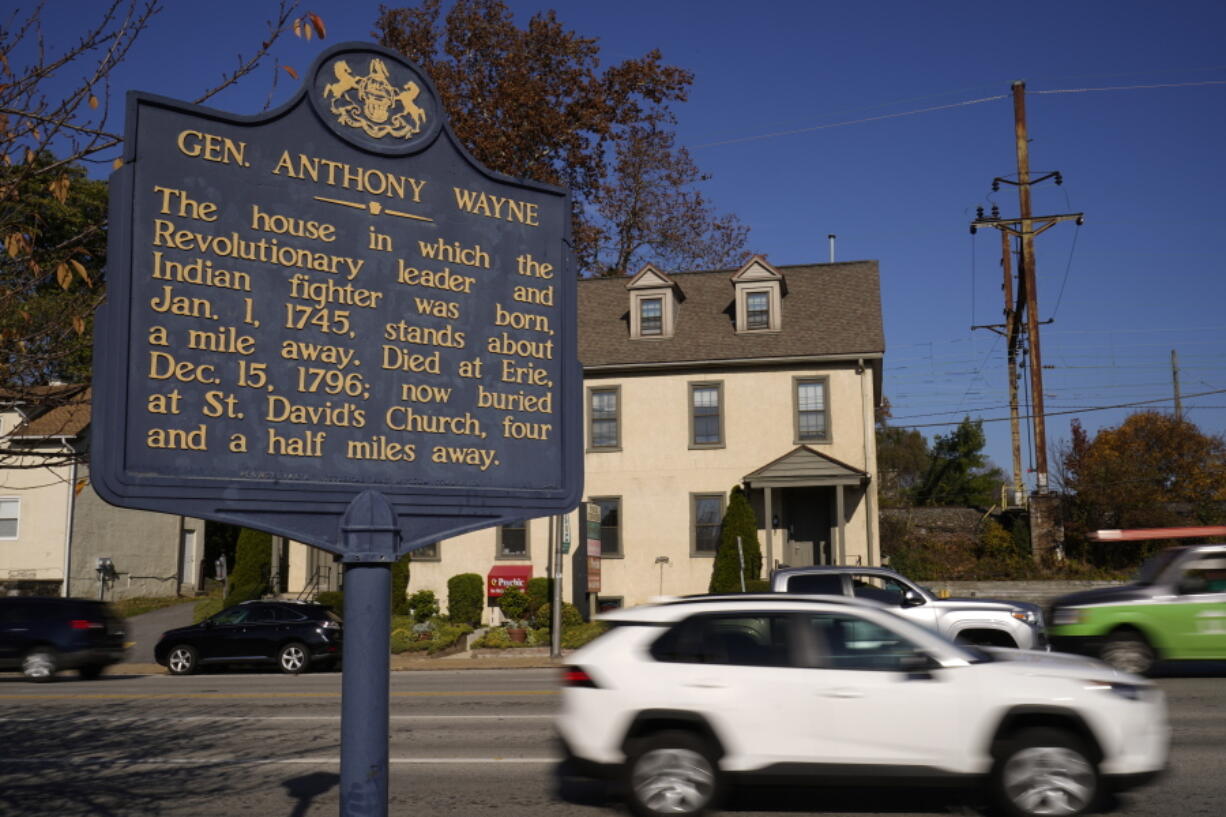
<point x="329" y="299"/>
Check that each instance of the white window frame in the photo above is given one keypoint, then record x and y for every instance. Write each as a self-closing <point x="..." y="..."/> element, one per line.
<point x="16" y="517"/>
<point x="797" y="382"/>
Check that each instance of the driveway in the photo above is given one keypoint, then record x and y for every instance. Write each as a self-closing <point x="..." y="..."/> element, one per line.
<point x="145" y="630"/>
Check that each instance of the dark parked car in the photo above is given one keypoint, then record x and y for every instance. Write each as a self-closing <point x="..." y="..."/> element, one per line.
<point x="41" y="636"/>
<point x="293" y="635"/>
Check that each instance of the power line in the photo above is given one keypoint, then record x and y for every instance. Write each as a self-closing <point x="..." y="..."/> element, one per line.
<point x="1069" y="411"/>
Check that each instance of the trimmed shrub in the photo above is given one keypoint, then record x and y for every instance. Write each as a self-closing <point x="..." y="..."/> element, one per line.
<point x="400" y="585"/>
<point x="251" y="566"/>
<point x="334" y="600"/>
<point x="540" y="591"/>
<point x="514" y="604"/>
<point x="423" y="606"/>
<point x="571" y="617"/>
<point x="739" y="521"/>
<point x="465" y="594"/>
<point x="575" y="637"/>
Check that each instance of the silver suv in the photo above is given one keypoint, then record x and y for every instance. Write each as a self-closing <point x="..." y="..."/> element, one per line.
<point x="985" y="622"/>
<point x="682" y="699"/>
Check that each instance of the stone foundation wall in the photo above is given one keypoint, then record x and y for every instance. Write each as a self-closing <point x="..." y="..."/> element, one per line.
<point x="1041" y="593"/>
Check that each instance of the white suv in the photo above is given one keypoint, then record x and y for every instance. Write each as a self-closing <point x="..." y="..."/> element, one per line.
<point x="682" y="698"/>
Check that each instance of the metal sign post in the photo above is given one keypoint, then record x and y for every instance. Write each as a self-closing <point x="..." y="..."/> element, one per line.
<point x="330" y="323"/>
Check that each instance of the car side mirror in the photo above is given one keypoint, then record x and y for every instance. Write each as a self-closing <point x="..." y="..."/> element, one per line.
<point x="917" y="666"/>
<point x="910" y="598"/>
<point x="208" y="622"/>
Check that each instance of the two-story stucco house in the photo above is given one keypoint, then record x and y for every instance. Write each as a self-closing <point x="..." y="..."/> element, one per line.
<point x="54" y="528"/>
<point x="695" y="382"/>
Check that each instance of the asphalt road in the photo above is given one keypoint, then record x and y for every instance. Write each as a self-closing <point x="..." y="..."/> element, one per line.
<point x="465" y="743"/>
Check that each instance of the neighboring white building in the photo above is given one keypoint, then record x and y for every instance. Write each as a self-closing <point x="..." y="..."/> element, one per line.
<point x="695" y="382"/>
<point x="53" y="526"/>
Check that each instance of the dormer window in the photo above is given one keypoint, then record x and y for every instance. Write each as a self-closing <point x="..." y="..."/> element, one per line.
<point x="651" y="316"/>
<point x="653" y="304"/>
<point x="759" y="297"/>
<point x="757" y="310"/>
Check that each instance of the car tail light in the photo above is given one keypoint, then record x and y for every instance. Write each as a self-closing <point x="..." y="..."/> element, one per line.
<point x="85" y="624"/>
<point x="578" y="677"/>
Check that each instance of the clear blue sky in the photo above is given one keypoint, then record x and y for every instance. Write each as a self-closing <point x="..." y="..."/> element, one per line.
<point x="806" y="115"/>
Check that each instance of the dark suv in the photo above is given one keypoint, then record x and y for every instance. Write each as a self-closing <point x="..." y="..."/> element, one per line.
<point x="41" y="636"/>
<point x="294" y="635"/>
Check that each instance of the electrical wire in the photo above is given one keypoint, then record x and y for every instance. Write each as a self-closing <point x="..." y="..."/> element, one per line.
<point x="813" y="128"/>
<point x="1030" y="416"/>
<point x="1130" y="87"/>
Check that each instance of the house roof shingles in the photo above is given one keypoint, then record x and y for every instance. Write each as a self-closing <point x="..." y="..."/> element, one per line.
<point x="829" y="309"/>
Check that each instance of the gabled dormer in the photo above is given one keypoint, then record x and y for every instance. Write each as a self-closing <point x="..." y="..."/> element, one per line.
<point x="653" y="304"/>
<point x="759" y="297"/>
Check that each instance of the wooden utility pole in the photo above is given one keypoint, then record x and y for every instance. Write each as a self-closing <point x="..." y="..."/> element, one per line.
<point x="1032" y="295"/>
<point x="1044" y="524"/>
<point x="1012" y="340"/>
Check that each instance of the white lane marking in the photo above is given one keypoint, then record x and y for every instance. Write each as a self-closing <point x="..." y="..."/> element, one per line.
<point x="231" y="718"/>
<point x="226" y="761"/>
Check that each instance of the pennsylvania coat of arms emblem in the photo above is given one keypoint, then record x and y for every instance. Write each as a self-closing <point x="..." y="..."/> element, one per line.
<point x="373" y="103"/>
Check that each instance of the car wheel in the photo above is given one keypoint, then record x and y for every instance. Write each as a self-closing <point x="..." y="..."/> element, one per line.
<point x="40" y="664"/>
<point x="671" y="773"/>
<point x="1045" y="771"/>
<point x="182" y="660"/>
<point x="293" y="658"/>
<point x="1128" y="651"/>
<point x="90" y="672"/>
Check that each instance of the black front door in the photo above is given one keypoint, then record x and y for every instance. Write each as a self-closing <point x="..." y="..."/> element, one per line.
<point x="806" y="513"/>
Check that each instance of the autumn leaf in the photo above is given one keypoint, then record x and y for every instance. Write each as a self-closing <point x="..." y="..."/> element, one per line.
<point x="93" y="102"/>
<point x="59" y="188"/>
<point x="63" y="275"/>
<point x="289" y="69"/>
<point x="298" y="27"/>
<point x="118" y="163"/>
<point x="318" y="23"/>
<point x="29" y="156"/>
<point x="78" y="323"/>
<point x="80" y="268"/>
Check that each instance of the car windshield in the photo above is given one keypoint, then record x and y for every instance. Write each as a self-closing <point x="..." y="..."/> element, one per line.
<point x="1154" y="567"/>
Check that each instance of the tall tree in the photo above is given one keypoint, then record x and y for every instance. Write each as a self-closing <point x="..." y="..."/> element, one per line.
<point x="55" y="117"/>
<point x="654" y="212"/>
<point x="959" y="473"/>
<point x="902" y="460"/>
<point x="534" y="103"/>
<point x="1151" y="471"/>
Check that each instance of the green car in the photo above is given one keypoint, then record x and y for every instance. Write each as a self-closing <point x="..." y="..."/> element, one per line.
<point x="1174" y="610"/>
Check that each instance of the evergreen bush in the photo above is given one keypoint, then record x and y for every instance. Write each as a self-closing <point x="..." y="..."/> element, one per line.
<point x="423" y="606"/>
<point x="465" y="597"/>
<point x="334" y="600"/>
<point x="251" y="567"/>
<point x="540" y="591"/>
<point x="739" y="521"/>
<point x="514" y="605"/>
<point x="400" y="585"/>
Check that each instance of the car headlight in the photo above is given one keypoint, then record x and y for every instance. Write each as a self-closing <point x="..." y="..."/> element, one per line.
<point x="1065" y="615"/>
<point x="1131" y="692"/>
<point x="1027" y="616"/>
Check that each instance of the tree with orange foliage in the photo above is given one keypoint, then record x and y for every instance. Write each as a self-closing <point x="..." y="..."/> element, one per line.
<point x="1151" y="471"/>
<point x="533" y="103"/>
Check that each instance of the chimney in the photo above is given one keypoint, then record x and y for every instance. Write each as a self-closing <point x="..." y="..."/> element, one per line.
<point x="831" y="236"/>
